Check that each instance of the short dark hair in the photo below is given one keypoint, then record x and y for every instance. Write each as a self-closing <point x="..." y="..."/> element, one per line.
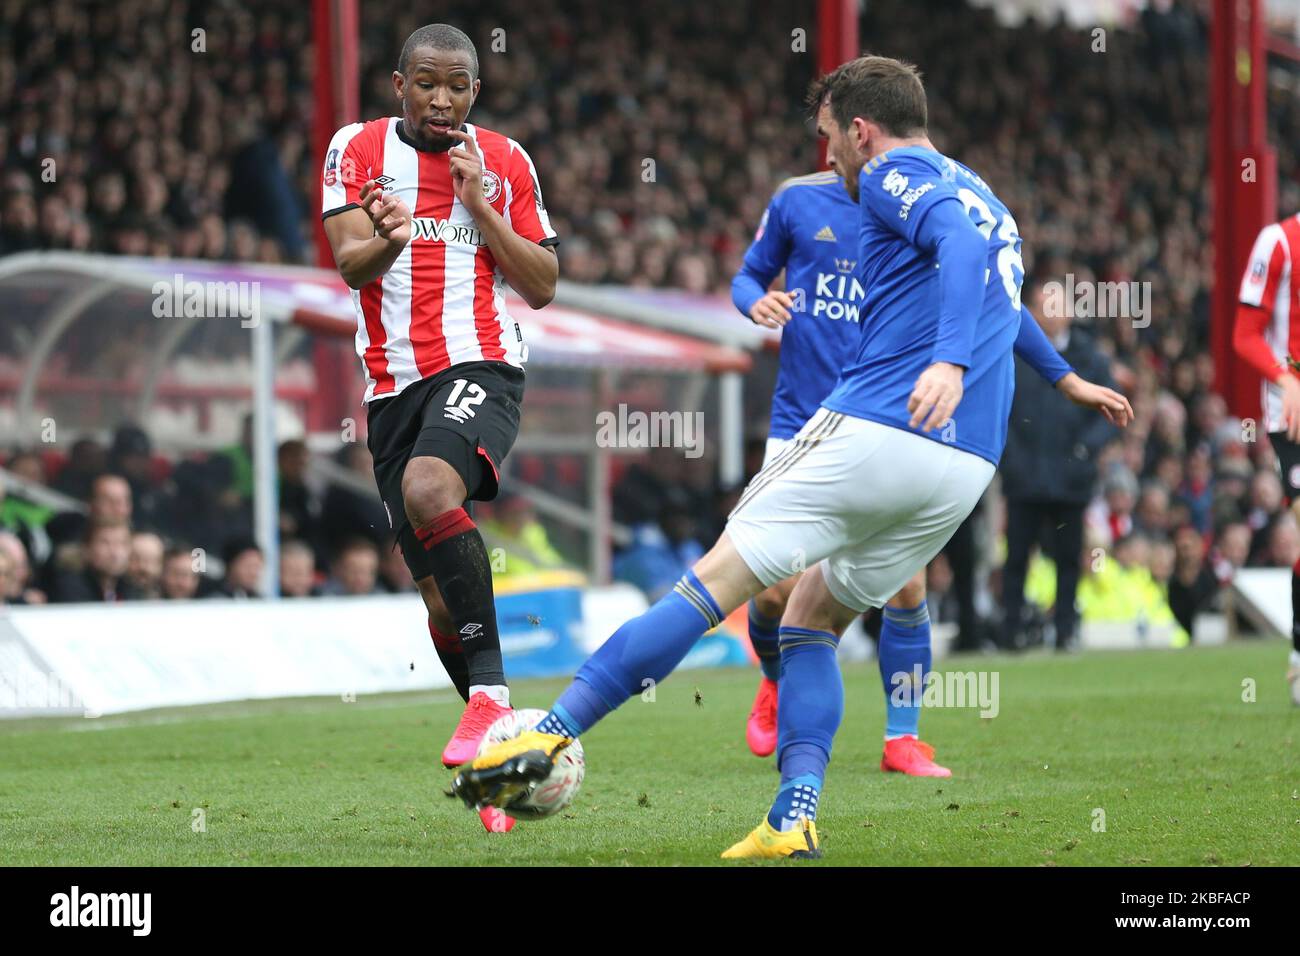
<point x="877" y="88"/>
<point x="439" y="36"/>
<point x="178" y="551"/>
<point x="96" y="527"/>
<point x="355" y="543"/>
<point x="298" y="545"/>
<point x="237" y="546"/>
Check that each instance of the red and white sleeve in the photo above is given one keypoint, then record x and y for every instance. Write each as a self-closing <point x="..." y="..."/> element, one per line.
<point x="346" y="169"/>
<point x="528" y="216"/>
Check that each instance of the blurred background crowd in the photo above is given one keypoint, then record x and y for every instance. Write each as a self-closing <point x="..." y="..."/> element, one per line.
<point x="659" y="135"/>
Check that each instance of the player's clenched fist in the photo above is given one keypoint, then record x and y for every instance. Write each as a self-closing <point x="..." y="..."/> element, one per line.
<point x="936" y="395"/>
<point x="772" y="310"/>
<point x="390" y="215"/>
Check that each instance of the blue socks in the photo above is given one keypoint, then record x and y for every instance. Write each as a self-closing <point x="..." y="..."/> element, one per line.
<point x="765" y="637"/>
<point x="796" y="798"/>
<point x="904" y="654"/>
<point x="809" y="713"/>
<point x="640" y="654"/>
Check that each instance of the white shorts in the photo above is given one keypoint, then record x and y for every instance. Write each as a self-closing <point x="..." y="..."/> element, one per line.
<point x="774" y="447"/>
<point x="872" y="502"/>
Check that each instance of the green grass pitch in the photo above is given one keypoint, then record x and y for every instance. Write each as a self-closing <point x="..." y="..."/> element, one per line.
<point x="1162" y="743"/>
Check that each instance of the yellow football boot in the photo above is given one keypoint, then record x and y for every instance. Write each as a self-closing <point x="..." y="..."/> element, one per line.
<point x="766" y="843"/>
<point x="505" y="771"/>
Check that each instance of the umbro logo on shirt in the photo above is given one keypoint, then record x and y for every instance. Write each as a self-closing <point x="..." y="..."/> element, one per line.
<point x="825" y="235"/>
<point x="383" y="181"/>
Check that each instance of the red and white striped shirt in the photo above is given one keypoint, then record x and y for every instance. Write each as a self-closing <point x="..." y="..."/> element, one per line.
<point x="440" y="303"/>
<point x="1270" y="284"/>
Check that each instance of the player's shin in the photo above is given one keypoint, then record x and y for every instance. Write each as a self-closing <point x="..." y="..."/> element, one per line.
<point x="640" y="654"/>
<point x="452" y="656"/>
<point x="904" y="658"/>
<point x="809" y="713"/>
<point x="764" y="635"/>
<point x="464" y="576"/>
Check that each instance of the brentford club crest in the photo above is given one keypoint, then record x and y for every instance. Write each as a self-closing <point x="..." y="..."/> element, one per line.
<point x="491" y="185"/>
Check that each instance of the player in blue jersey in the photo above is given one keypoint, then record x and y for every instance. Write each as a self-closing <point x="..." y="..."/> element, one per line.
<point x="875" y="482"/>
<point x="810" y="232"/>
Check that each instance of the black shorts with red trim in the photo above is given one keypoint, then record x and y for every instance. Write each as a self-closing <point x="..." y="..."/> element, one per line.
<point x="1288" y="462"/>
<point x="466" y="415"/>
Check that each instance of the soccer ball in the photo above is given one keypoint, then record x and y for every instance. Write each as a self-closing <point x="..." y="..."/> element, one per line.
<point x="557" y="791"/>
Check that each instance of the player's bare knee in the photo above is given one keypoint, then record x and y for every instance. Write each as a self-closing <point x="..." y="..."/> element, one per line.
<point x="812" y="606"/>
<point x="430" y="487"/>
<point x="726" y="577"/>
<point x="912" y="593"/>
<point x="771" y="603"/>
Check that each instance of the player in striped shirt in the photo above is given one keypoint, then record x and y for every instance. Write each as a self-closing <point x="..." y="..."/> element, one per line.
<point x="1267" y="335"/>
<point x="427" y="215"/>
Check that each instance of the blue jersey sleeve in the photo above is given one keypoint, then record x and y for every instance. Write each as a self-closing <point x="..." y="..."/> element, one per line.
<point x="914" y="200"/>
<point x="899" y="192"/>
<point x="764" y="259"/>
<point x="1033" y="346"/>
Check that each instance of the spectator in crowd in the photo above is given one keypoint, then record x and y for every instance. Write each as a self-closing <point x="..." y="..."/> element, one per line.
<point x="131" y="456"/>
<point x="180" y="581"/>
<point x="394" y="575"/>
<point x="1197" y="489"/>
<point x="1122" y="590"/>
<point x="17" y="588"/>
<point x="514" y="529"/>
<point x="1112" y="514"/>
<point x="244" y="563"/>
<point x="660" y="553"/>
<point x="592" y="101"/>
<point x="27" y="521"/>
<point x="355" y="568"/>
<point x="87" y="460"/>
<point x="1151" y="516"/>
<point x="110" y="501"/>
<point x="145" y="567"/>
<point x="297" y="570"/>
<point x="8" y="579"/>
<point x="231" y="475"/>
<point x="1231" y="552"/>
<point x="1283" y="542"/>
<point x="349" y="512"/>
<point x="28" y="466"/>
<point x="1049" y="468"/>
<point x="299" y="506"/>
<point x="1192" y="586"/>
<point x="102" y="575"/>
<point x="1263" y="509"/>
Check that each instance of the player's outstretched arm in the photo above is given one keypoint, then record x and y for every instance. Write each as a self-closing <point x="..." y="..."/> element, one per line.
<point x="1033" y="346"/>
<point x="366" y="241"/>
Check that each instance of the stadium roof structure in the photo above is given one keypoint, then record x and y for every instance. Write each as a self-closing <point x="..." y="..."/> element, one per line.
<point x="561" y="335"/>
<point x="599" y="331"/>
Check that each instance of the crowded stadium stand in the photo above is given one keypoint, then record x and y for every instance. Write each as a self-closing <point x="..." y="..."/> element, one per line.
<point x="659" y="135"/>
